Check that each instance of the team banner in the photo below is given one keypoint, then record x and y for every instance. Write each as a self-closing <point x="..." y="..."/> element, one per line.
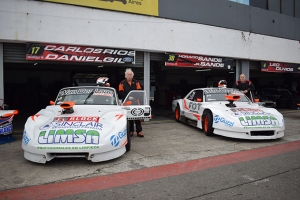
<point x="73" y="53"/>
<point x="144" y="7"/>
<point x="280" y="67"/>
<point x="197" y="61"/>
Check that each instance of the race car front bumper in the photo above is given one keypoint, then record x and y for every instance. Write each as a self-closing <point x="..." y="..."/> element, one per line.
<point x="94" y="157"/>
<point x="251" y="135"/>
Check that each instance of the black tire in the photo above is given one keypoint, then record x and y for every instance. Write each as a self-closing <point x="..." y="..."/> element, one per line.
<point x="128" y="145"/>
<point x="207" y="124"/>
<point x="177" y="113"/>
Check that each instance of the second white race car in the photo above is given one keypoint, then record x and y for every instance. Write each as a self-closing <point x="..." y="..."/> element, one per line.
<point x="86" y="121"/>
<point x="228" y="112"/>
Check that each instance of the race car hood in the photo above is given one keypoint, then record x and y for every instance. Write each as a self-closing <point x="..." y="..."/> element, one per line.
<point x="85" y="120"/>
<point x="245" y="115"/>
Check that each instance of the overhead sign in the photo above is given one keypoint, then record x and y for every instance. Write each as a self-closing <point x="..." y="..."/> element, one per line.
<point x="73" y="53"/>
<point x="144" y="7"/>
<point x="280" y="67"/>
<point x="197" y="61"/>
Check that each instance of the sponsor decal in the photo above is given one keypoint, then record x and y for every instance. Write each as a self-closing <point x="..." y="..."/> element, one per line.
<point x="103" y="94"/>
<point x="78" y="125"/>
<point x="191" y="96"/>
<point x="123" y="1"/>
<point x="69" y="136"/>
<point x="144" y="7"/>
<point x="26" y="139"/>
<point x="197" y="61"/>
<point x="76" y="91"/>
<point x="68" y="53"/>
<point x="68" y="148"/>
<point x="194" y="106"/>
<point x="128" y="59"/>
<point x="218" y="119"/>
<point x="236" y="114"/>
<point x="6" y="129"/>
<point x="222" y="91"/>
<point x="137" y="111"/>
<point x="115" y="139"/>
<point x="47" y="126"/>
<point x="261" y="127"/>
<point x="77" y="119"/>
<point x="280" y="67"/>
<point x="259" y="120"/>
<point x="247" y="111"/>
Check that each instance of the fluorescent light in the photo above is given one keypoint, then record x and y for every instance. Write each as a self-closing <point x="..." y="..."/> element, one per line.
<point x="35" y="64"/>
<point x="231" y="72"/>
<point x="100" y="66"/>
<point x="202" y="70"/>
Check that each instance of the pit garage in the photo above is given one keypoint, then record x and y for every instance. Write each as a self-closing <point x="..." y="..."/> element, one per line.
<point x="29" y="85"/>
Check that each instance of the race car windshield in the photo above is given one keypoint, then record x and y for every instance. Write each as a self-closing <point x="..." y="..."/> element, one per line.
<point x="136" y="97"/>
<point x="88" y="96"/>
<point x="221" y="97"/>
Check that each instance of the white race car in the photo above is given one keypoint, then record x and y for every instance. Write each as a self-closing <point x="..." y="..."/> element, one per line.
<point x="85" y="121"/>
<point x="228" y="112"/>
<point x="6" y="123"/>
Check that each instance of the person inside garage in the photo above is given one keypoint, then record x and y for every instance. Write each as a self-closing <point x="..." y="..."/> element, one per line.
<point x="125" y="87"/>
<point x="246" y="86"/>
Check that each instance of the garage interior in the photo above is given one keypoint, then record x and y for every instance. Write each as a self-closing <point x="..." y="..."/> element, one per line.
<point x="30" y="85"/>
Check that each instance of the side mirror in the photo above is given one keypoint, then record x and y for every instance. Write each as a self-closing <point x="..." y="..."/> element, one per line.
<point x="52" y="103"/>
<point x="127" y="103"/>
<point x="198" y="100"/>
<point x="256" y="100"/>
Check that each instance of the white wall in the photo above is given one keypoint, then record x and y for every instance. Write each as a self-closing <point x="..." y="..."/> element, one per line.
<point x="23" y="21"/>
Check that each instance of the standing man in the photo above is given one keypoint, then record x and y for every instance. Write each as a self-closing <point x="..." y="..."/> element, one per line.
<point x="125" y="87"/>
<point x="244" y="85"/>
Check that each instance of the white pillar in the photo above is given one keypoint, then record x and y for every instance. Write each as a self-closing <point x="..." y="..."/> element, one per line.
<point x="1" y="72"/>
<point x="147" y="75"/>
<point x="242" y="67"/>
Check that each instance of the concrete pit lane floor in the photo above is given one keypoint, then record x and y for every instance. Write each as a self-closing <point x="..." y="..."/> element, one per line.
<point x="176" y="160"/>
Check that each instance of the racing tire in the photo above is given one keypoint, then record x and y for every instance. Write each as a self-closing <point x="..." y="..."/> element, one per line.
<point x="207" y="124"/>
<point x="177" y="114"/>
<point x="128" y="145"/>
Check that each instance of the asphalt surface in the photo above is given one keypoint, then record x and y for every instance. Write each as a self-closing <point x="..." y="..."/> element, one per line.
<point x="172" y="161"/>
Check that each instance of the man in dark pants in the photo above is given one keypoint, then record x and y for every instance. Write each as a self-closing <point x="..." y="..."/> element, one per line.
<point x="245" y="86"/>
<point x="125" y="87"/>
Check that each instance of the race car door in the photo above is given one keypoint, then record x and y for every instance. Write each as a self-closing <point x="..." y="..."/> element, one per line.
<point x="192" y="105"/>
<point x="136" y="105"/>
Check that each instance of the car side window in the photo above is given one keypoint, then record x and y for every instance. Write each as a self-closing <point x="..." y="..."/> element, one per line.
<point x="198" y="95"/>
<point x="191" y="96"/>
